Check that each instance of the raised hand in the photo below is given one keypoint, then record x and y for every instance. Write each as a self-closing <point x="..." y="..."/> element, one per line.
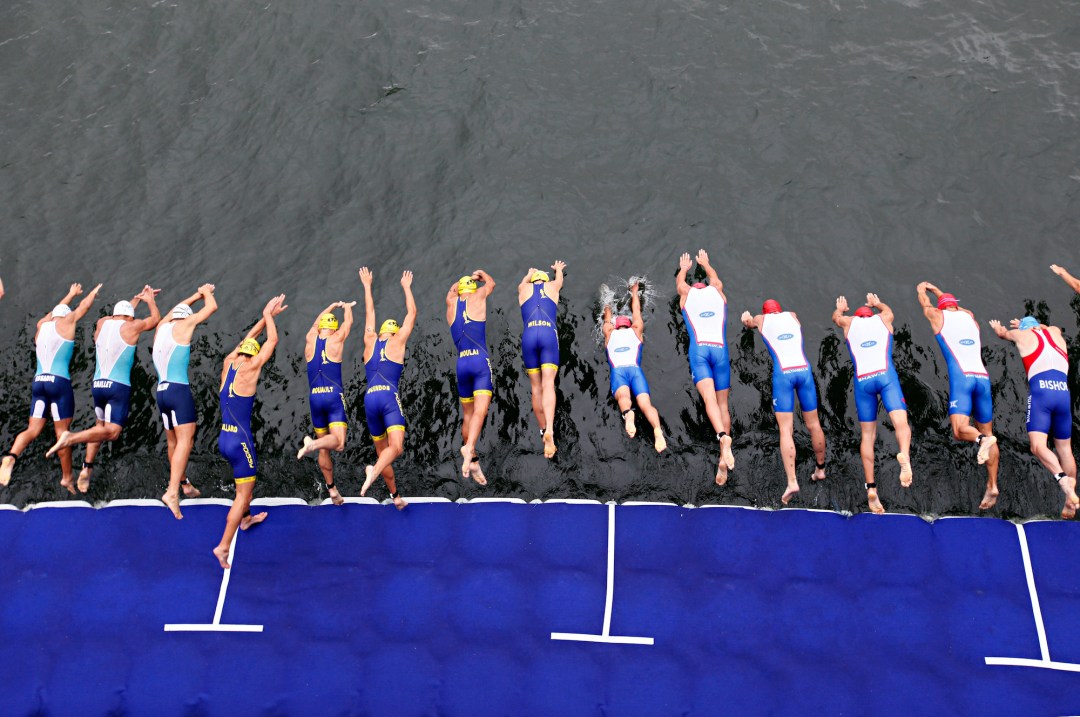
<point x="703" y="257"/>
<point x="559" y="265"/>
<point x="1057" y="270"/>
<point x="406" y="279"/>
<point x="634" y="288"/>
<point x="365" y="277"/>
<point x="841" y="303"/>
<point x="684" y="262"/>
<point x="76" y="289"/>
<point x="207" y="289"/>
<point x="746" y="318"/>
<point x="93" y="292"/>
<point x="1014" y="324"/>
<point x="872" y="300"/>
<point x="346" y="304"/>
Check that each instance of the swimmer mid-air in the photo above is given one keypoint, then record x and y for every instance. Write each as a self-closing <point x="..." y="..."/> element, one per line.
<point x="869" y="338"/>
<point x="1049" y="407"/>
<point x="115" y="338"/>
<point x="323" y="351"/>
<point x="538" y="296"/>
<point x="172" y="354"/>
<point x="384" y="360"/>
<point x="239" y="380"/>
<point x="957" y="333"/>
<point x="791" y="377"/>
<point x="466" y="312"/>
<point x="704" y="309"/>
<point x="51" y="391"/>
<point x="623" y="339"/>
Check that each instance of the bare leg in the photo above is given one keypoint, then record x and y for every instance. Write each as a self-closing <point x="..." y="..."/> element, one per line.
<point x="24" y="439"/>
<point x="817" y="438"/>
<point x="336" y="442"/>
<point x="467" y="410"/>
<point x="92" y="448"/>
<point x="237" y="518"/>
<point x="903" y="437"/>
<point x="626" y="408"/>
<point x="388" y="449"/>
<point x="100" y="433"/>
<point x="475" y="422"/>
<point x="67" y="478"/>
<point x="536" y="385"/>
<point x="993" y="456"/>
<point x="182" y="438"/>
<point x="548" y="381"/>
<point x="725" y="417"/>
<point x="1063" y="449"/>
<point x="868" y="429"/>
<point x="785" y="422"/>
<point x="708" y="394"/>
<point x="653" y="417"/>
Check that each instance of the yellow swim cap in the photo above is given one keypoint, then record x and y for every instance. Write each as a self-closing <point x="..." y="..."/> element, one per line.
<point x="540" y="276"/>
<point x="466" y="285"/>
<point x="328" y="321"/>
<point x="250" y="347"/>
<point x="389" y="327"/>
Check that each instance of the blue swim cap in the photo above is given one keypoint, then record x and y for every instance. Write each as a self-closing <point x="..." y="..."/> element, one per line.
<point x="1028" y="322"/>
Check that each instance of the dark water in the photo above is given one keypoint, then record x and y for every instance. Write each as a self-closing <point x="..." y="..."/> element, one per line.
<point x="814" y="148"/>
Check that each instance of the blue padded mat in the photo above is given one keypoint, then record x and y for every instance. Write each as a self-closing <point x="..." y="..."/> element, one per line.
<point x="449" y="609"/>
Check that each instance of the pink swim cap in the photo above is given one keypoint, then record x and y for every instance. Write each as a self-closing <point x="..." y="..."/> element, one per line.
<point x="699" y="285"/>
<point x="946" y="300"/>
<point x="771" y="306"/>
<point x="623" y="322"/>
<point x="864" y="312"/>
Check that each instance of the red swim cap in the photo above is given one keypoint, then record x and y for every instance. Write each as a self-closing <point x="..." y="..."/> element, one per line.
<point x="623" y="322"/>
<point x="946" y="300"/>
<point x="771" y="306"/>
<point x="864" y="311"/>
<point x="699" y="285"/>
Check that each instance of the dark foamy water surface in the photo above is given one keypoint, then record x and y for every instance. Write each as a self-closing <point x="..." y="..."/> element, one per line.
<point x="814" y="148"/>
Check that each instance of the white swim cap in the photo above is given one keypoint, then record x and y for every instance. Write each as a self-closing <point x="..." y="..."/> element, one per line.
<point x="60" y="311"/>
<point x="123" y="308"/>
<point x="181" y="311"/>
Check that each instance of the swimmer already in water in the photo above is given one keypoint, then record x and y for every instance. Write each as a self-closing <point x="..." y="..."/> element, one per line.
<point x="239" y="380"/>
<point x="114" y="341"/>
<point x="1049" y="408"/>
<point x="704" y="309"/>
<point x="623" y="340"/>
<point x="538" y="296"/>
<point x="466" y="312"/>
<point x="869" y="338"/>
<point x="384" y="360"/>
<point x="172" y="353"/>
<point x="51" y="391"/>
<point x="791" y="377"/>
<point x="957" y="333"/>
<point x="325" y="346"/>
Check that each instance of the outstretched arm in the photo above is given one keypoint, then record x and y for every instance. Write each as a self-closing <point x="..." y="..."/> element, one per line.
<point x="84" y="305"/>
<point x="928" y="308"/>
<point x="680" y="279"/>
<point x="206" y="291"/>
<point x="488" y="285"/>
<point x="346" y="320"/>
<point x="714" y="278"/>
<point x="451" y="303"/>
<point x="609" y="325"/>
<point x="369" y="307"/>
<point x="1002" y="332"/>
<point x="273" y="308"/>
<point x="1068" y="278"/>
<point x="314" y="330"/>
<point x="73" y="291"/>
<point x="154" y="318"/>
<point x="410" y="308"/>
<point x="635" y="309"/>
<point x="886" y="314"/>
<point x="838" y="316"/>
<point x="750" y="321"/>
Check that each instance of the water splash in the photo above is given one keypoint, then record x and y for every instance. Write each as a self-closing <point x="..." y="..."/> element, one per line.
<point x="618" y="299"/>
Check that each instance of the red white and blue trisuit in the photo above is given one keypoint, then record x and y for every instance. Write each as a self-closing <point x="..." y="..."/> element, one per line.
<point x="1049" y="404"/>
<point x="624" y="356"/>
<point x="791" y="371"/>
<point x="870" y="343"/>
<point x="705" y="314"/>
<point x="969" y="384"/>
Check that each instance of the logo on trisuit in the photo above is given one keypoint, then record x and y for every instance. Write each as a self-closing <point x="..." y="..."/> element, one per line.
<point x="621" y="349"/>
<point x="967" y="342"/>
<point x="785" y="337"/>
<point x="707" y="314"/>
<point x="868" y="344"/>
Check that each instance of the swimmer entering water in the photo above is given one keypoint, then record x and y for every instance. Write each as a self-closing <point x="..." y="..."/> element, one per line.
<point x="869" y="337"/>
<point x="957" y="333"/>
<point x="466" y="312"/>
<point x="384" y="360"/>
<point x="1068" y="278"/>
<point x="239" y="380"/>
<point x="172" y="353"/>
<point x="1049" y="408"/>
<point x="791" y="376"/>
<point x="323" y="351"/>
<point x="623" y="339"/>
<point x="114" y="341"/>
<point x="51" y="390"/>
<point x="704" y="309"/>
<point x="538" y="296"/>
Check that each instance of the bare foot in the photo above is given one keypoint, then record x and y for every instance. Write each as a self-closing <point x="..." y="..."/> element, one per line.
<point x="62" y="442"/>
<point x="989" y="499"/>
<point x="305" y="449"/>
<point x="334" y="495"/>
<point x="222" y="554"/>
<point x="369" y="473"/>
<point x="250" y="520"/>
<point x="721" y="473"/>
<point x="725" y="453"/>
<point x="400" y="503"/>
<point x="476" y="473"/>
<point x="905" y="469"/>
<point x="628" y="421"/>
<point x="190" y="491"/>
<point x="792" y="490"/>
<point x="84" y="479"/>
<point x="466" y="460"/>
<point x="6" y="466"/>
<point x="172" y="502"/>
<point x="984" y="448"/>
<point x="1068" y="485"/>
<point x="874" y="503"/>
<point x="819" y="474"/>
<point x="69" y="483"/>
<point x="659" y="443"/>
<point x="549" y="445"/>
